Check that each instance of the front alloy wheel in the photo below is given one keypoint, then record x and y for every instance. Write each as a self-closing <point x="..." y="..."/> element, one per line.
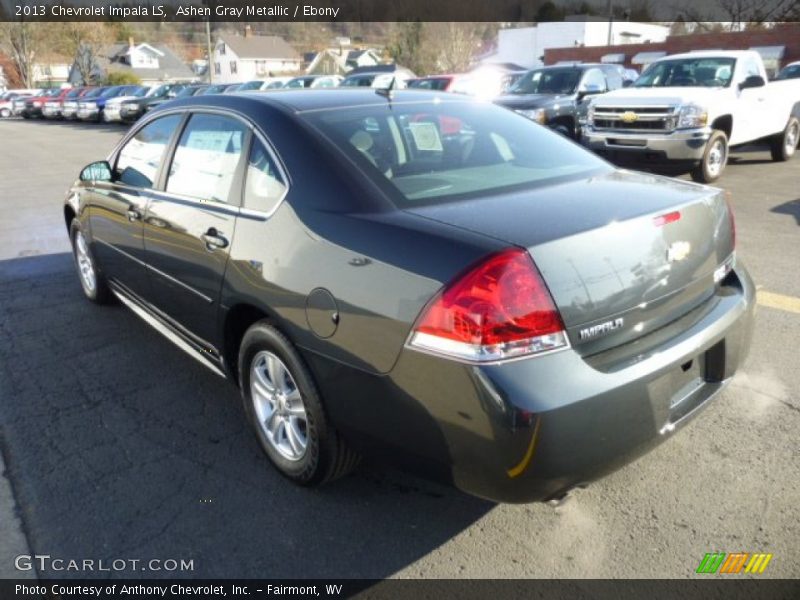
<point x="714" y="159"/>
<point x="92" y="281"/>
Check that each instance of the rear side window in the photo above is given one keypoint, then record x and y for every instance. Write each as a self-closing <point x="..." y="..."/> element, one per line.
<point x="264" y="187"/>
<point x="207" y="157"/>
<point x="141" y="156"/>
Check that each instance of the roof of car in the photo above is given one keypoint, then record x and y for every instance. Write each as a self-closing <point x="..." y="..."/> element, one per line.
<point x="303" y="100"/>
<point x="712" y="53"/>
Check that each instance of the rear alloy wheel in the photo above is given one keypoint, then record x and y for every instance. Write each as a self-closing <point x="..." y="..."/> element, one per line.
<point x="282" y="403"/>
<point x="92" y="281"/>
<point x="714" y="159"/>
<point x="784" y="145"/>
<point x="5" y="113"/>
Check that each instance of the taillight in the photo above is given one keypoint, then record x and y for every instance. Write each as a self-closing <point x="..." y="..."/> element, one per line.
<point x="499" y="309"/>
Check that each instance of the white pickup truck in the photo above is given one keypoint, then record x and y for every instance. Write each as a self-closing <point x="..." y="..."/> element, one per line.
<point x="692" y="107"/>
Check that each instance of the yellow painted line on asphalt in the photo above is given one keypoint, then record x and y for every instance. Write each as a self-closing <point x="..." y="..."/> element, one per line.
<point x="779" y="301"/>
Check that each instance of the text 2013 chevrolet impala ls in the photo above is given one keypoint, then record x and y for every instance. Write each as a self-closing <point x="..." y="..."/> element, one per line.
<point x="433" y="279"/>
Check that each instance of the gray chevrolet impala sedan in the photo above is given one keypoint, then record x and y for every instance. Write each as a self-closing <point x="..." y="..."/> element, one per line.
<point x="421" y="277"/>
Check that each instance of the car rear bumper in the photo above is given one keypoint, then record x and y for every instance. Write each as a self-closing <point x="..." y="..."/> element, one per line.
<point x="532" y="429"/>
<point x="86" y="113"/>
<point x="51" y="112"/>
<point x="681" y="145"/>
<point x="112" y="113"/>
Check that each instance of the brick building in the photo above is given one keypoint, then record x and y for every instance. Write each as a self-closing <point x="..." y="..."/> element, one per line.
<point x="777" y="46"/>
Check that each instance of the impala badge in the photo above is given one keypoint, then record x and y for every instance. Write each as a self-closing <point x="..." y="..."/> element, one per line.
<point x="678" y="251"/>
<point x="600" y="329"/>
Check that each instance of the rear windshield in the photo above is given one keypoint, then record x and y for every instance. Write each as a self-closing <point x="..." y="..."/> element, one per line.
<point x="430" y="152"/>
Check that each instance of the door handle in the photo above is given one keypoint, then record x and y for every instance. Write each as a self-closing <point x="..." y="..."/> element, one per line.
<point x="214" y="239"/>
<point x="133" y="214"/>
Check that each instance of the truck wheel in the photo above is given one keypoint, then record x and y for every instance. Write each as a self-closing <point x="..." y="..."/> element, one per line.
<point x="714" y="159"/>
<point x="783" y="145"/>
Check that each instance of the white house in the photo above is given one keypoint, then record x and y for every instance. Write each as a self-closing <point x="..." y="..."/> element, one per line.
<point x="525" y="46"/>
<point x="339" y="61"/>
<point x="246" y="57"/>
<point x="151" y="63"/>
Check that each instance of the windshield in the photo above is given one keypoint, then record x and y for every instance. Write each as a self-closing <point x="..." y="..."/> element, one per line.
<point x="440" y="151"/>
<point x="547" y="81"/>
<point x="431" y="83"/>
<point x="360" y="81"/>
<point x="93" y="93"/>
<point x="251" y="85"/>
<point x="140" y="92"/>
<point x="790" y="72"/>
<point x="688" y="72"/>
<point x="186" y="92"/>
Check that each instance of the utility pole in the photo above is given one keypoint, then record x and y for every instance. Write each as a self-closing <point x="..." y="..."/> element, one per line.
<point x="209" y="71"/>
<point x="610" y="22"/>
<point x="208" y="49"/>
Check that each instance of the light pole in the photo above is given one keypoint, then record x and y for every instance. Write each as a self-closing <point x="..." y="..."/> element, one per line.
<point x="610" y="21"/>
<point x="208" y="42"/>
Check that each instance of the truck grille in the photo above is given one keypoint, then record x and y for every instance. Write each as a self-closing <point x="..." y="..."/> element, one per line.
<point x="636" y="118"/>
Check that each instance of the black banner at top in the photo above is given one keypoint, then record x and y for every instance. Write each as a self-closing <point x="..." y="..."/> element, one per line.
<point x="514" y="11"/>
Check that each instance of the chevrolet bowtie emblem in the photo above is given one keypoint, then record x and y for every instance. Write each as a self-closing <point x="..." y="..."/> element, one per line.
<point x="629" y="117"/>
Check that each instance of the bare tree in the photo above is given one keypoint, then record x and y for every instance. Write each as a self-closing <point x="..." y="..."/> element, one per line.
<point x="22" y="41"/>
<point x="453" y="44"/>
<point x="84" y="42"/>
<point x="738" y="14"/>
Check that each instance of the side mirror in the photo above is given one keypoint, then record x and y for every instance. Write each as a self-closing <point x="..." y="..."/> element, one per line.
<point x="97" y="171"/>
<point x="753" y="81"/>
<point x="589" y="89"/>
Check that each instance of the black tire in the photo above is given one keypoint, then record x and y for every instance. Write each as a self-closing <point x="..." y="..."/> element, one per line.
<point x="26" y="116"/>
<point x="782" y="147"/>
<point x="326" y="456"/>
<point x="100" y="293"/>
<point x="712" y="165"/>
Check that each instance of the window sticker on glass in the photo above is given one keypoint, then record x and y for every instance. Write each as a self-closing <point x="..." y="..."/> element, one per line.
<point x="426" y="136"/>
<point x="210" y="141"/>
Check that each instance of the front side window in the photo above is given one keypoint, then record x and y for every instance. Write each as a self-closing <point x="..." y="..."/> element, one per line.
<point x="140" y="157"/>
<point x="264" y="187"/>
<point x="442" y="151"/>
<point x="205" y="161"/>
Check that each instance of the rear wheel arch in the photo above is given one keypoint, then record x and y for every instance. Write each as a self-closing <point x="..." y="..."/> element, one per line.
<point x="238" y="319"/>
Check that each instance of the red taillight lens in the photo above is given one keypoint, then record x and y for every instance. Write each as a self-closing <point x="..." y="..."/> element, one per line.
<point x="499" y="309"/>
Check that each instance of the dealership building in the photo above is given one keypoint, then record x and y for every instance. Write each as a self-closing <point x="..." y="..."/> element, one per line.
<point x="777" y="46"/>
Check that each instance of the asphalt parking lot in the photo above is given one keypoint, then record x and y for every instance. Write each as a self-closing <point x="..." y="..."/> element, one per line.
<point x="117" y="445"/>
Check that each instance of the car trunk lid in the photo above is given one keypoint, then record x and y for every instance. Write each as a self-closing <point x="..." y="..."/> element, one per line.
<point x="620" y="255"/>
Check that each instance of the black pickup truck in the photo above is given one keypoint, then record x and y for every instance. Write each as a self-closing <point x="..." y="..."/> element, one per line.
<point x="558" y="96"/>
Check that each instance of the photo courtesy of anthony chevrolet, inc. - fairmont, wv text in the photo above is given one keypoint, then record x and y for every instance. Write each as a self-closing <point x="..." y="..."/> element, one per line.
<point x="399" y="299"/>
